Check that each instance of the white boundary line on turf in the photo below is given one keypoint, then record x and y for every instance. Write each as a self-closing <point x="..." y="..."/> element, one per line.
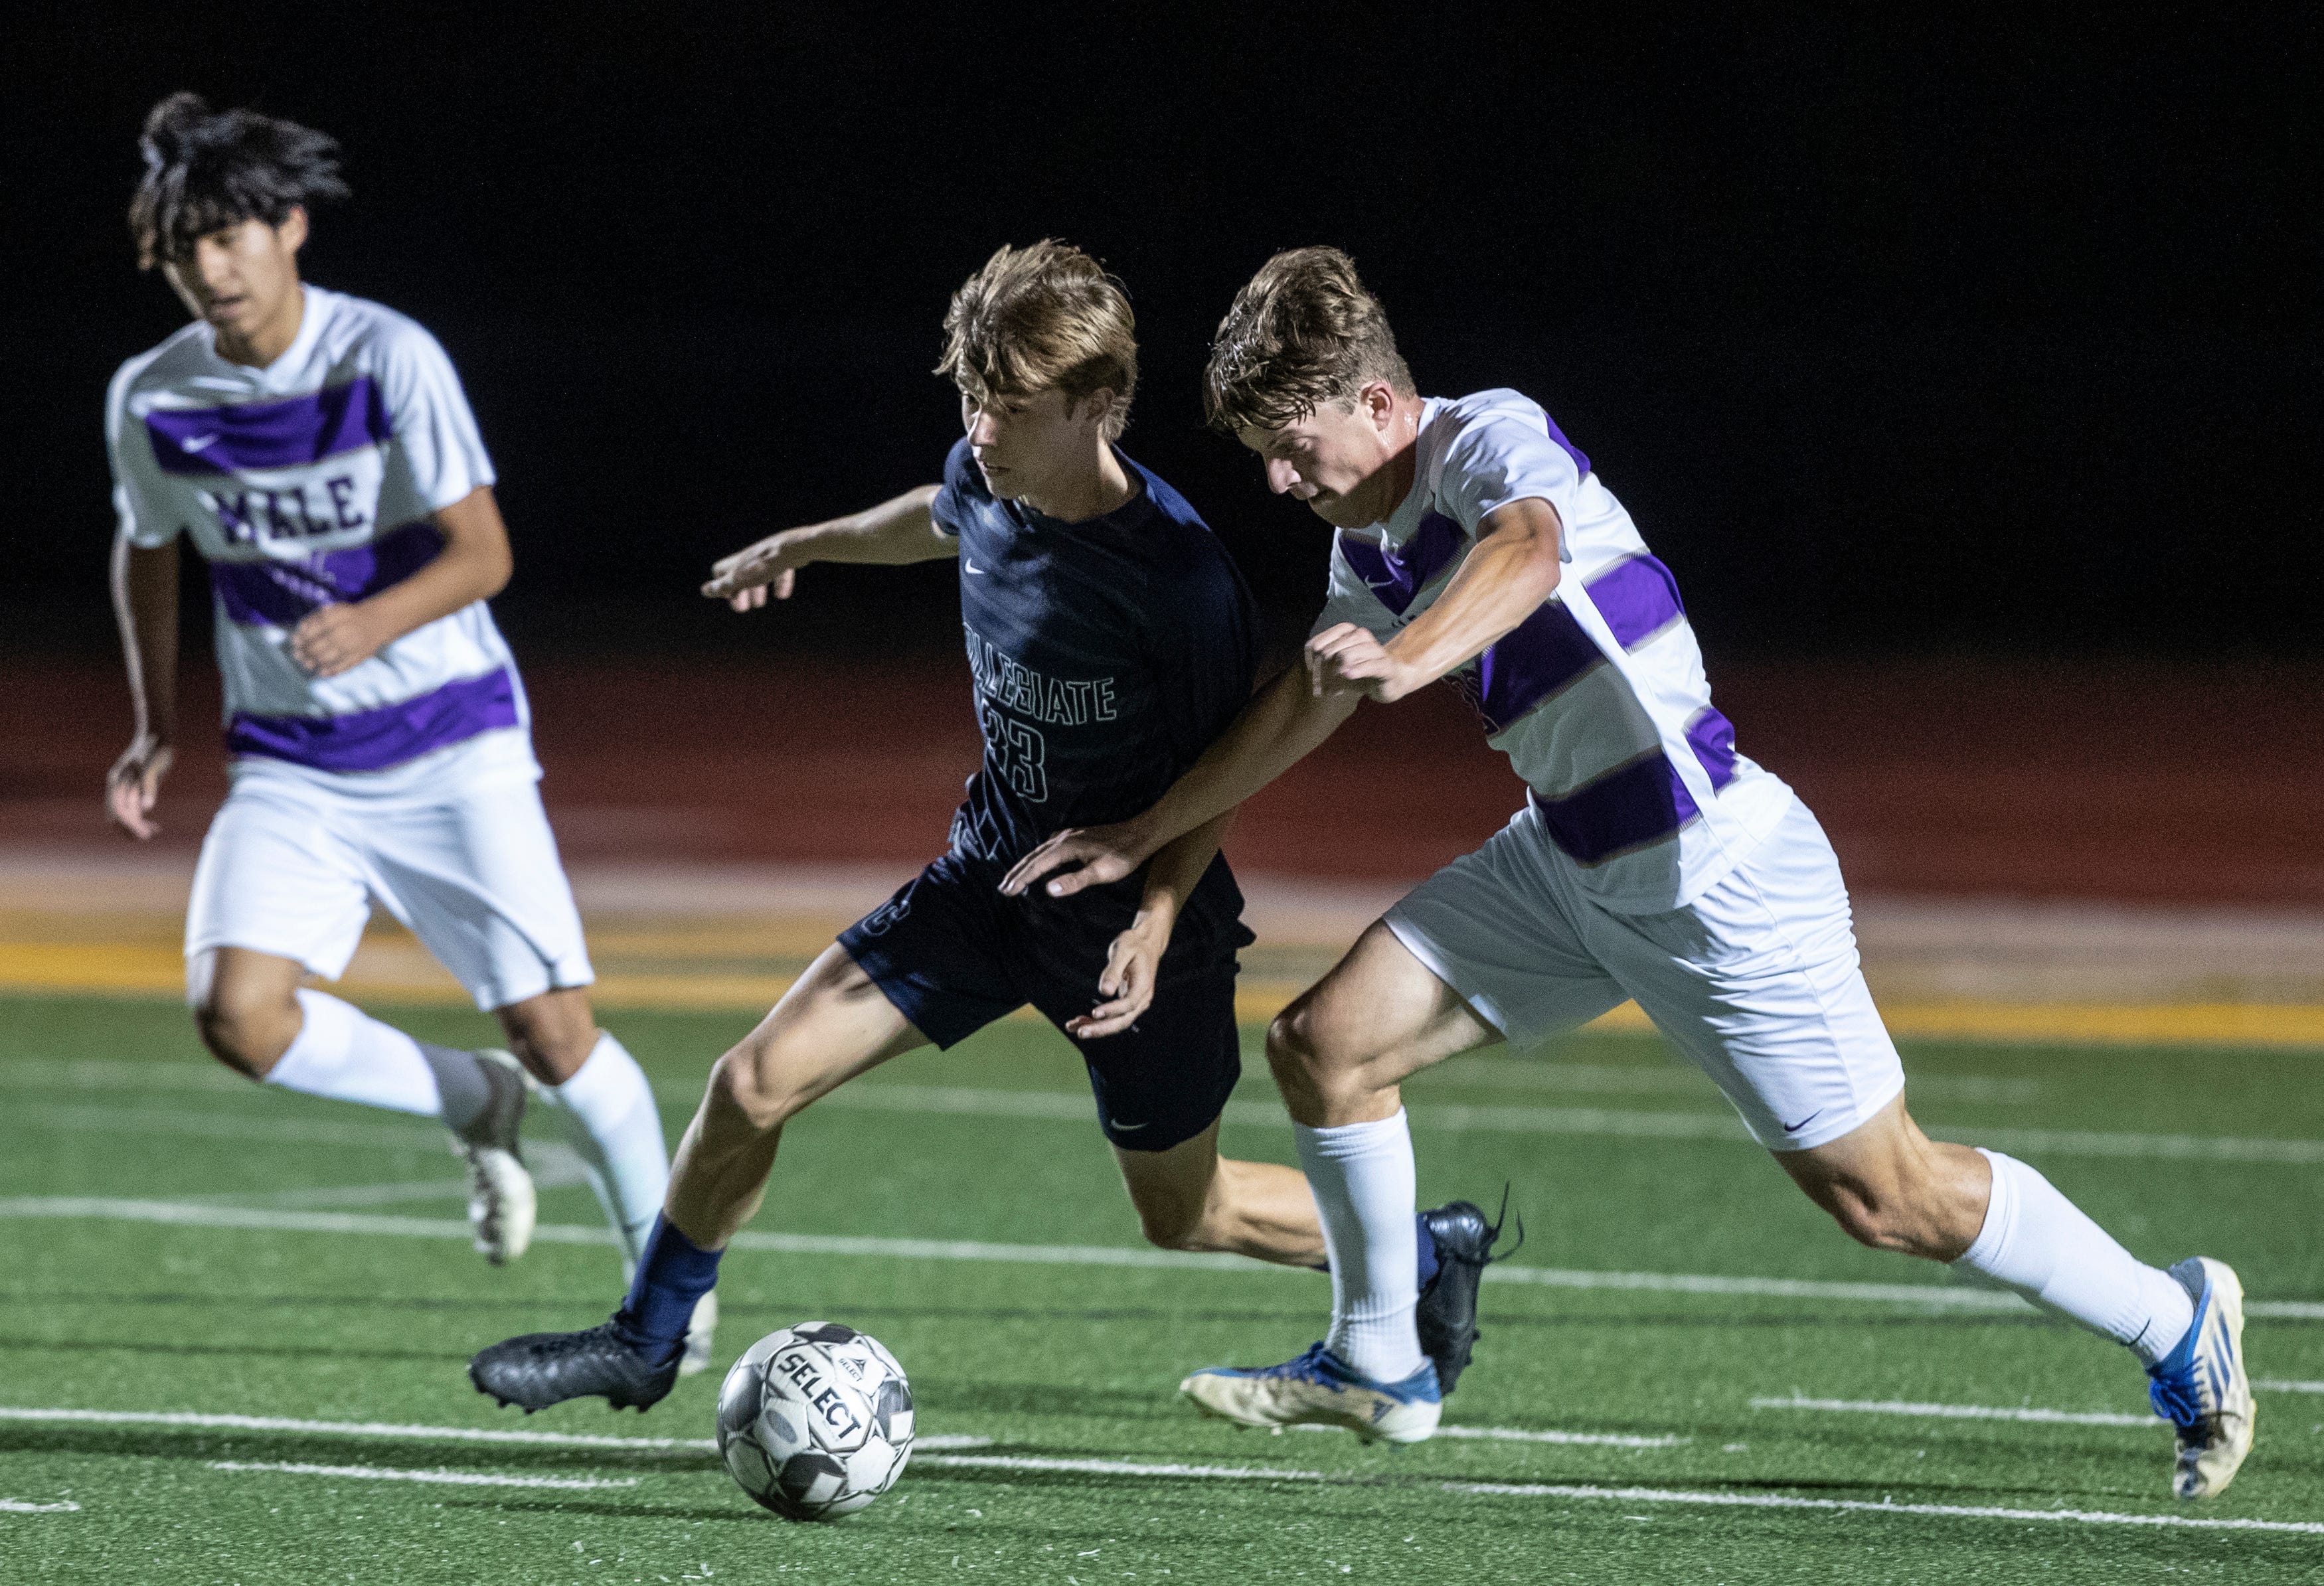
<point x="196" y="1421"/>
<point x="2279" y="1385"/>
<point x="1891" y="1406"/>
<point x="1767" y="1500"/>
<point x="17" y="1505"/>
<point x="187" y="1214"/>
<point x="439" y="1477"/>
<point x="1528" y="1434"/>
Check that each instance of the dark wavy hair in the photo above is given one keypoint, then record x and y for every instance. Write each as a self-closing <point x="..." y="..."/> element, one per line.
<point x="208" y="170"/>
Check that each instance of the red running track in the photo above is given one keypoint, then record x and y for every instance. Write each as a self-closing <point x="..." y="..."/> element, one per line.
<point x="2137" y="782"/>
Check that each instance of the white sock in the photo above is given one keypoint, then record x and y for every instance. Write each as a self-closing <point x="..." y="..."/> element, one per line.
<point x="344" y="1052"/>
<point x="609" y="1114"/>
<point x="1361" y="1175"/>
<point x="2041" y="1244"/>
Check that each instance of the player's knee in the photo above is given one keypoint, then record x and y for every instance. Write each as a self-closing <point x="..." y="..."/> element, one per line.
<point x="248" y="1033"/>
<point x="749" y="1084"/>
<point x="1291" y="1051"/>
<point x="1172" y="1224"/>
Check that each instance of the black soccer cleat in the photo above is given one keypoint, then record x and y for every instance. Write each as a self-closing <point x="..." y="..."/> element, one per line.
<point x="1447" y="1314"/>
<point x="544" y="1369"/>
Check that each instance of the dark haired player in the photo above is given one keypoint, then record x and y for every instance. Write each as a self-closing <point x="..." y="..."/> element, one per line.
<point x="1111" y="639"/>
<point x="1476" y="543"/>
<point x="319" y="452"/>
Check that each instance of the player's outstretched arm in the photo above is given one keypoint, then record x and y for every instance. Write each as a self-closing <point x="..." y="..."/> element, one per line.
<point x="890" y="534"/>
<point x="1133" y="963"/>
<point x="145" y="601"/>
<point x="1288" y="718"/>
<point x="474" y="565"/>
<point x="1513" y="569"/>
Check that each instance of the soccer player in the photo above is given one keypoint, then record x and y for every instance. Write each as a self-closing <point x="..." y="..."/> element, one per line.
<point x="319" y="450"/>
<point x="1110" y="640"/>
<point x="1650" y="860"/>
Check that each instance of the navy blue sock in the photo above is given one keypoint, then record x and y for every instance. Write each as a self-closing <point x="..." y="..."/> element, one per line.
<point x="672" y="1275"/>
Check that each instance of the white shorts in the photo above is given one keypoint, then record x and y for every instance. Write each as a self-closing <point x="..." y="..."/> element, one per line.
<point x="292" y="869"/>
<point x="1756" y="981"/>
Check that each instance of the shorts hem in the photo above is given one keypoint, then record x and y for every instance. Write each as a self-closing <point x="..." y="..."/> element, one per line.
<point x="493" y="999"/>
<point x="911" y="1000"/>
<point x="212" y="942"/>
<point x="1432" y="958"/>
<point x="1864" y="1112"/>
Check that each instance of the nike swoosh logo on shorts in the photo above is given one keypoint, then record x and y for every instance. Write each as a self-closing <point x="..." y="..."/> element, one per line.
<point x="1127" y="1128"/>
<point x="1803" y="1123"/>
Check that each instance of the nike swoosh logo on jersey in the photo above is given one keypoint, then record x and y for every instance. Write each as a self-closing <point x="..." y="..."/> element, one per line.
<point x="971" y="567"/>
<point x="195" y="443"/>
<point x="1803" y="1123"/>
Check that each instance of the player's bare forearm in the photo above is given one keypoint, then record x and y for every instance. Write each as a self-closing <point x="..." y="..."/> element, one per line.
<point x="145" y="601"/>
<point x="1515" y="567"/>
<point x="1174" y="871"/>
<point x="473" y="564"/>
<point x="896" y="531"/>
<point x="1275" y="732"/>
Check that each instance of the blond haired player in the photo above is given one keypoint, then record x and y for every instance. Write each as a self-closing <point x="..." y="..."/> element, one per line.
<point x="1111" y="640"/>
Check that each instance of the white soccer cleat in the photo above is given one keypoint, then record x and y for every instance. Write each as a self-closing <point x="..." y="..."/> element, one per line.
<point x="503" y="1206"/>
<point x="2202" y="1386"/>
<point x="1320" y="1390"/>
<point x="698" y="1336"/>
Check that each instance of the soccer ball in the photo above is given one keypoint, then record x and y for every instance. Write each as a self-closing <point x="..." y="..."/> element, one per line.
<point x="816" y="1421"/>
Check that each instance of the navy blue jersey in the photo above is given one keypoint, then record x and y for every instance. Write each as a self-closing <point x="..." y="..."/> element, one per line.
<point x="1107" y="654"/>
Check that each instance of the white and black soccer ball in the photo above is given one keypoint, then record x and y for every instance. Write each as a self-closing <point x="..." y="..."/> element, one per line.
<point x="816" y="1421"/>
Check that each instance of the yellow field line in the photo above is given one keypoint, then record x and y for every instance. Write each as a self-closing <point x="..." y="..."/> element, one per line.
<point x="123" y="969"/>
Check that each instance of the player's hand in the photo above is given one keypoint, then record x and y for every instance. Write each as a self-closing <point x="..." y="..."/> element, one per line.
<point x="1345" y="659"/>
<point x="1082" y="857"/>
<point x="743" y="579"/>
<point x="1132" y="964"/>
<point x="334" y="638"/>
<point x="133" y="786"/>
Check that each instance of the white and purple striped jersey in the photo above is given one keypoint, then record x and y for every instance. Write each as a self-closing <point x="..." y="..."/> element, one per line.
<point x="310" y="481"/>
<point x="1598" y="698"/>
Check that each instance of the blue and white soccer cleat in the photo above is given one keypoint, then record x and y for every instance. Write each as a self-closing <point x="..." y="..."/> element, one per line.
<point x="1320" y="1390"/>
<point x="2202" y="1387"/>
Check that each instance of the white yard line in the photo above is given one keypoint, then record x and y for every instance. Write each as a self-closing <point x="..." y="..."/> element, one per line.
<point x="1528" y="1434"/>
<point x="196" y="1421"/>
<point x="17" y="1505"/>
<point x="1890" y="1407"/>
<point x="1076" y="1107"/>
<point x="189" y="1214"/>
<point x="2277" y="1385"/>
<point x="1766" y="1501"/>
<point x="439" y="1477"/>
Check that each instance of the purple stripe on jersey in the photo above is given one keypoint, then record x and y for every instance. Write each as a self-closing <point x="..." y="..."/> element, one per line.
<point x="287" y="434"/>
<point x="1637" y="597"/>
<point x="1640" y="803"/>
<point x="278" y="594"/>
<point x="374" y="739"/>
<point x="1713" y="738"/>
<point x="1526" y="665"/>
<point x="1580" y="462"/>
<point x="1398" y="577"/>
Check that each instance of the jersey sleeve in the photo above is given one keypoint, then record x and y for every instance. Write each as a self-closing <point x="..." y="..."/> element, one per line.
<point x="430" y="414"/>
<point x="138" y="494"/>
<point x="1208" y="643"/>
<point x="1347" y="598"/>
<point x="1502" y="456"/>
<point x="961" y="484"/>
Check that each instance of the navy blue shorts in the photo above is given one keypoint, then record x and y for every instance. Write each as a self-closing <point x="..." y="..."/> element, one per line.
<point x="952" y="955"/>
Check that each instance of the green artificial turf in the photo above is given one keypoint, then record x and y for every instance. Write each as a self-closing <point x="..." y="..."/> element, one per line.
<point x="112" y="1101"/>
